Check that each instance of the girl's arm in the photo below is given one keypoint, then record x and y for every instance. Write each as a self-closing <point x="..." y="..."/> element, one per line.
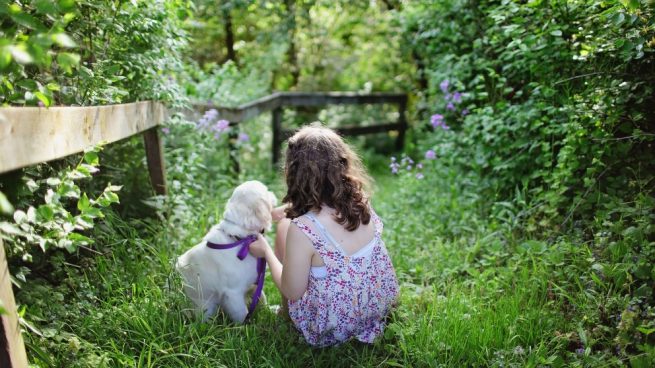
<point x="292" y="276"/>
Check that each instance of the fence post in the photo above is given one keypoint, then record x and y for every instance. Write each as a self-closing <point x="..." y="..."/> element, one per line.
<point x="155" y="159"/>
<point x="12" y="348"/>
<point x="277" y="134"/>
<point x="232" y="137"/>
<point x="402" y="120"/>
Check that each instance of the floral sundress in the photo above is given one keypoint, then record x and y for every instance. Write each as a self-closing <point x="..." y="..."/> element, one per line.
<point x="354" y="295"/>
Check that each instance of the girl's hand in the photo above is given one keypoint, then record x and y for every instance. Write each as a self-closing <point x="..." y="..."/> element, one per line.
<point x="278" y="213"/>
<point x="259" y="247"/>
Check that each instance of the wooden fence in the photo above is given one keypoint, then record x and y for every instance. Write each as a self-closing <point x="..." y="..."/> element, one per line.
<point x="277" y="101"/>
<point x="31" y="135"/>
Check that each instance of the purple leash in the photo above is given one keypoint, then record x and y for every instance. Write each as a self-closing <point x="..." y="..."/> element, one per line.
<point x="243" y="252"/>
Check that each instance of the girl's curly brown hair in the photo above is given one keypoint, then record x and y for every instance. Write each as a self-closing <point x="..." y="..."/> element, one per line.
<point x="321" y="169"/>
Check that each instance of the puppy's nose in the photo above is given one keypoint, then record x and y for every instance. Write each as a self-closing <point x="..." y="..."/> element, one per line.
<point x="262" y="232"/>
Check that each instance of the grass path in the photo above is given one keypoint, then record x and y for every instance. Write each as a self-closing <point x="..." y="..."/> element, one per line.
<point x="127" y="309"/>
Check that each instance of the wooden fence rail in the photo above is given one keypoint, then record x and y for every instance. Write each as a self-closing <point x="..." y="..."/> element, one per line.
<point x="30" y="135"/>
<point x="277" y="101"/>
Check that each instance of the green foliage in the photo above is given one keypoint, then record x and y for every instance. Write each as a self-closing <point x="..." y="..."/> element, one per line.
<point x="556" y="120"/>
<point x="64" y="218"/>
<point x="86" y="53"/>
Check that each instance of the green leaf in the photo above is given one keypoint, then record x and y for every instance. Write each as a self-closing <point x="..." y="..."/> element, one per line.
<point x="43" y="98"/>
<point x="631" y="4"/>
<point x="45" y="213"/>
<point x="20" y="217"/>
<point x="10" y="229"/>
<point x="556" y="32"/>
<point x="53" y="182"/>
<point x="67" y="61"/>
<point x="20" y="54"/>
<point x="91" y="158"/>
<point x="5" y="57"/>
<point x="83" y="204"/>
<point x="5" y="206"/>
<point x="63" y="40"/>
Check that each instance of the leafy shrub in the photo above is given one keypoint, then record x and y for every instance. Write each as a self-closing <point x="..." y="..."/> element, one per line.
<point x="559" y="131"/>
<point x="86" y="53"/>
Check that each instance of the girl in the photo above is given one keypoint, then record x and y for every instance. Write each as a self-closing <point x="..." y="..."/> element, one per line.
<point x="330" y="261"/>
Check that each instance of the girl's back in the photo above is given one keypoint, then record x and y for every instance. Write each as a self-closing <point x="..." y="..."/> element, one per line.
<point x="352" y="283"/>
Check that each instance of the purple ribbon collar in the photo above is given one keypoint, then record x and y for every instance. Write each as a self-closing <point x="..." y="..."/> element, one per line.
<point x="242" y="254"/>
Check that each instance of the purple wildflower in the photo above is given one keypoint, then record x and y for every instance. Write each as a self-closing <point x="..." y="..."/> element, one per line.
<point x="450" y="106"/>
<point x="444" y="86"/>
<point x="222" y="125"/>
<point x="457" y="97"/>
<point x="579" y="351"/>
<point x="436" y="120"/>
<point x="166" y="130"/>
<point x="419" y="176"/>
<point x="40" y="103"/>
<point x="394" y="166"/>
<point x="409" y="167"/>
<point x="419" y="165"/>
<point x="465" y="112"/>
<point x="243" y="137"/>
<point x="430" y="155"/>
<point x="393" y="159"/>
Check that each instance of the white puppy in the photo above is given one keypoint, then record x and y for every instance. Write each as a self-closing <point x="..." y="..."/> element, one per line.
<point x="214" y="277"/>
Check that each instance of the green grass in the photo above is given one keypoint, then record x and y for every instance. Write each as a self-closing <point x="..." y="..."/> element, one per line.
<point x="469" y="295"/>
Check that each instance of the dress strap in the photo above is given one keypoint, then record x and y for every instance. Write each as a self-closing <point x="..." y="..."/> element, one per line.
<point x="376" y="221"/>
<point x="326" y="234"/>
<point x="314" y="233"/>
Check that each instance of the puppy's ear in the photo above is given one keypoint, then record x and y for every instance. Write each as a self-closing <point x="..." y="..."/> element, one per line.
<point x="263" y="213"/>
<point x="272" y="199"/>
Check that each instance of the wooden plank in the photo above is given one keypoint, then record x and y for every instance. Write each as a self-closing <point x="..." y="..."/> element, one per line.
<point x="245" y="111"/>
<point x="339" y="98"/>
<point x="30" y="135"/>
<point x="275" y="100"/>
<point x="12" y="348"/>
<point x="155" y="160"/>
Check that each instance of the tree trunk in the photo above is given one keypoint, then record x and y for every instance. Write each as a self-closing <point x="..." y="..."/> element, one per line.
<point x="229" y="34"/>
<point x="292" y="58"/>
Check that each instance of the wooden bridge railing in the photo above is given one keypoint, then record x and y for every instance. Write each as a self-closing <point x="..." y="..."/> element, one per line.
<point x="277" y="101"/>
